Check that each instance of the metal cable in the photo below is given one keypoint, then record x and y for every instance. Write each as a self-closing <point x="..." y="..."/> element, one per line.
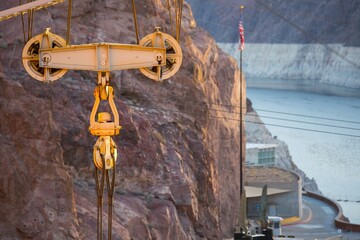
<point x="270" y="9"/>
<point x="32" y="22"/>
<point x="237" y="120"/>
<point x="68" y="30"/>
<point x="170" y="16"/>
<point x="135" y="22"/>
<point x="178" y="8"/>
<point x="23" y="23"/>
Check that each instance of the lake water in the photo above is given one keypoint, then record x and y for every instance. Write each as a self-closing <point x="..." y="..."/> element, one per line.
<point x="332" y="158"/>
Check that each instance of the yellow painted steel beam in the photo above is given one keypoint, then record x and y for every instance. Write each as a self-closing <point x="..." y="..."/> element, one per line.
<point x="24" y="8"/>
<point x="102" y="57"/>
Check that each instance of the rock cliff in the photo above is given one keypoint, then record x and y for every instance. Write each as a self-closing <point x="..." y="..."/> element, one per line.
<point x="177" y="170"/>
<point x="297" y="40"/>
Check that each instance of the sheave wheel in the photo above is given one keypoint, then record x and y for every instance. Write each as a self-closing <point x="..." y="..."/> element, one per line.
<point x="30" y="57"/>
<point x="173" y="55"/>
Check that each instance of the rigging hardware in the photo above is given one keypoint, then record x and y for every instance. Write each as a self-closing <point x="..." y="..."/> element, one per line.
<point x="47" y="57"/>
<point x="31" y="56"/>
<point x="173" y="55"/>
<point x="105" y="150"/>
<point x="178" y="14"/>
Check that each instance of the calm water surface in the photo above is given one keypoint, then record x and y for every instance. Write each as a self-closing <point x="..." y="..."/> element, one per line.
<point x="333" y="158"/>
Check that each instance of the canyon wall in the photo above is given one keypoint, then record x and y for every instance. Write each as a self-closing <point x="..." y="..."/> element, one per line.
<point x="178" y="164"/>
<point x="312" y="40"/>
<point x="297" y="62"/>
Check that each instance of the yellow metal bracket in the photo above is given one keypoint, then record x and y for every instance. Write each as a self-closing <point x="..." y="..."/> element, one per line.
<point x="104" y="126"/>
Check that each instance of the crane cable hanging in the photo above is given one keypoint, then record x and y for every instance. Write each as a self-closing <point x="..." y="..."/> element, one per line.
<point x="23" y="23"/>
<point x="178" y="16"/>
<point x="30" y="22"/>
<point x="135" y="22"/>
<point x="171" y="22"/>
<point x="68" y="28"/>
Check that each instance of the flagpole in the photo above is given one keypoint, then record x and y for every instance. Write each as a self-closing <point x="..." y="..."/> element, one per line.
<point x="241" y="120"/>
<point x="242" y="213"/>
<point x="241" y="140"/>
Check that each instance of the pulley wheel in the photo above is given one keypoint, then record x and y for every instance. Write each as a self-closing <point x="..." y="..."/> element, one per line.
<point x="173" y="56"/>
<point x="30" y="57"/>
<point x="109" y="163"/>
<point x="100" y="151"/>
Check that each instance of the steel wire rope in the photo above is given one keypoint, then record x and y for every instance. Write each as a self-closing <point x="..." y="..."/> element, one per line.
<point x="351" y="62"/>
<point x="270" y="9"/>
<point x="135" y="22"/>
<point x="236" y="107"/>
<point x="23" y="23"/>
<point x="31" y="21"/>
<point x="257" y="109"/>
<point x="178" y="14"/>
<point x="305" y="122"/>
<point x="249" y="36"/>
<point x="68" y="27"/>
<point x="308" y="116"/>
<point x="170" y="16"/>
<point x="234" y="119"/>
<point x="275" y="118"/>
<point x="309" y="1"/>
<point x="322" y="20"/>
<point x="297" y="15"/>
<point x="237" y="120"/>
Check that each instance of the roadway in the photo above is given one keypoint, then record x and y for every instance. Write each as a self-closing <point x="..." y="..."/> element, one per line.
<point x="317" y="222"/>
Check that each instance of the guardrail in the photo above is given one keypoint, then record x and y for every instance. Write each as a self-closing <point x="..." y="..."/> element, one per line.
<point x="341" y="221"/>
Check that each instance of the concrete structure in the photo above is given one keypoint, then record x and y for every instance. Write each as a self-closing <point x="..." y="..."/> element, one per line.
<point x="260" y="154"/>
<point x="284" y="192"/>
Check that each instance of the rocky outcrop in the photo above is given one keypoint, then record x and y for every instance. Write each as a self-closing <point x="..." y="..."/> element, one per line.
<point x="256" y="132"/>
<point x="177" y="170"/>
<point x="313" y="41"/>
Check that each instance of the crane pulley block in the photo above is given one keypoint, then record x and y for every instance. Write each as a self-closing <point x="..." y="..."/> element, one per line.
<point x="105" y="152"/>
<point x="47" y="58"/>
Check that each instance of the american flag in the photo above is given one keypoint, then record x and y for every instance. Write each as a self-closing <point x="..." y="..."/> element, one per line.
<point x="241" y="39"/>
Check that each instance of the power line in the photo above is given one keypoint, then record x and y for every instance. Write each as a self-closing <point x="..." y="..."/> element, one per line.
<point x="276" y="125"/>
<point x="270" y="9"/>
<point x="261" y="110"/>
<point x="237" y="120"/>
<point x="307" y="116"/>
<point x="305" y="122"/>
<point x="309" y="130"/>
<point x="337" y="53"/>
<point x="256" y="109"/>
<point x="299" y="14"/>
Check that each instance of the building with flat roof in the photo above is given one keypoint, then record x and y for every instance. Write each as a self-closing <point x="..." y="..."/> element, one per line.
<point x="284" y="192"/>
<point x="260" y="154"/>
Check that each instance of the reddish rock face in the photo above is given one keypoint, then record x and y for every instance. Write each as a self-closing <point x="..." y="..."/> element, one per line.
<point x="177" y="170"/>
